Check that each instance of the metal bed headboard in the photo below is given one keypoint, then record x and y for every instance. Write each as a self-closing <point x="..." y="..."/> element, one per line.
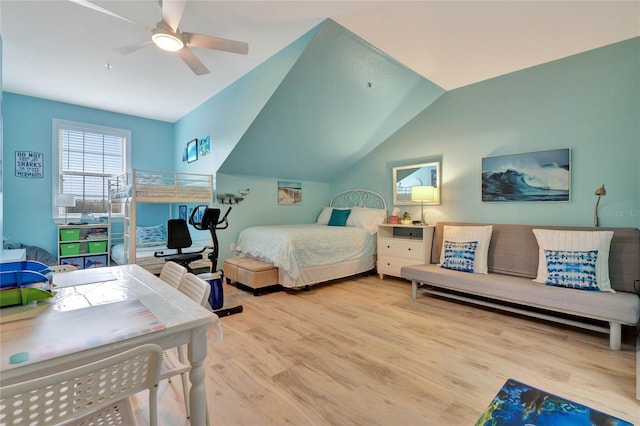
<point x="359" y="198"/>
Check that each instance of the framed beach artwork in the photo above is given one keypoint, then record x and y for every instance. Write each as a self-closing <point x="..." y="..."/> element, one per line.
<point x="289" y="192"/>
<point x="527" y="177"/>
<point x="192" y="151"/>
<point x="204" y="145"/>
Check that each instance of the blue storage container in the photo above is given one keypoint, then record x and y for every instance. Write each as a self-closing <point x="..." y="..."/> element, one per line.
<point x="216" y="298"/>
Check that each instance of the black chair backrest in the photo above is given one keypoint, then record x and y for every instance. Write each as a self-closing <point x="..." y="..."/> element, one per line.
<point x="178" y="236"/>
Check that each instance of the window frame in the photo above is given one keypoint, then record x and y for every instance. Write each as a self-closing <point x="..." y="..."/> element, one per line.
<point x="57" y="126"/>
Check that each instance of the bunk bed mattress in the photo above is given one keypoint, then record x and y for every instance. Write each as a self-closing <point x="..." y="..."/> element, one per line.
<point x="162" y="191"/>
<point x="292" y="248"/>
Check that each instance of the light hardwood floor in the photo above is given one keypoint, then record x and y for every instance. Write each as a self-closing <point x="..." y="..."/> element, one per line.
<point x="363" y="352"/>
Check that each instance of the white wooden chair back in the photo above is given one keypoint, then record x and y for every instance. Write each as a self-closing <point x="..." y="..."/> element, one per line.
<point x="196" y="288"/>
<point x="172" y="273"/>
<point x="85" y="389"/>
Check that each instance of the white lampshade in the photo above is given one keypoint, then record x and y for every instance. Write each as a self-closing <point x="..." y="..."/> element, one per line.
<point x="422" y="193"/>
<point x="66" y="200"/>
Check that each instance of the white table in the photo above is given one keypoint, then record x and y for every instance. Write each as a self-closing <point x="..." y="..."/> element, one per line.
<point x="97" y="313"/>
<point x="14" y="255"/>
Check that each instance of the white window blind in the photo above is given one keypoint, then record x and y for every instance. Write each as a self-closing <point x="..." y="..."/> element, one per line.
<point x="88" y="156"/>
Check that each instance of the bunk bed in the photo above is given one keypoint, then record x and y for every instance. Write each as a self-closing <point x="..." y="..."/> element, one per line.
<point x="137" y="244"/>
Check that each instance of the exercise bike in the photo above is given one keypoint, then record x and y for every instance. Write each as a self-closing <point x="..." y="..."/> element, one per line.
<point x="206" y="218"/>
<point x="202" y="218"/>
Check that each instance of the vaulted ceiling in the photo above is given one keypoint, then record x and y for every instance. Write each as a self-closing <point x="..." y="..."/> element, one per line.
<point x="58" y="50"/>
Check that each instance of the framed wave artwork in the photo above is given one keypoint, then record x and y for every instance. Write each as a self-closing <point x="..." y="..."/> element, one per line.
<point x="527" y="177"/>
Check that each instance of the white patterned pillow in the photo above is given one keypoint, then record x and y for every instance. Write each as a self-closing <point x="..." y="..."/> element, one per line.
<point x="564" y="240"/>
<point x="150" y="234"/>
<point x="462" y="234"/>
<point x="572" y="269"/>
<point x="459" y="256"/>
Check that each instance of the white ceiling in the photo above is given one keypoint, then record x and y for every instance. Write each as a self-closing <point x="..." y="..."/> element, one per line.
<point x="57" y="50"/>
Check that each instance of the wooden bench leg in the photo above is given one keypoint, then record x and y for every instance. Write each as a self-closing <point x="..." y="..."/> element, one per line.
<point x="615" y="336"/>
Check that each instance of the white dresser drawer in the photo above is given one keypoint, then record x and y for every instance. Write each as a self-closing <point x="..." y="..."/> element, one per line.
<point x="405" y="249"/>
<point x="392" y="265"/>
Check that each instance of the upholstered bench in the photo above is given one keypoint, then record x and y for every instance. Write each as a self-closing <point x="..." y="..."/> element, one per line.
<point x="252" y="273"/>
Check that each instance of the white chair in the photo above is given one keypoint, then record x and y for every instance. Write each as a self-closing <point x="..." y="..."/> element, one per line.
<point x="90" y="394"/>
<point x="197" y="290"/>
<point x="172" y="273"/>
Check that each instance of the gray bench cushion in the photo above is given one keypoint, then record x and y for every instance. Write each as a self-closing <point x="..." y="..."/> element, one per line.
<point x="618" y="307"/>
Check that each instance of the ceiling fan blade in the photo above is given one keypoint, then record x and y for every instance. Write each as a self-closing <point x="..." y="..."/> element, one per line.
<point x="172" y="12"/>
<point x="192" y="61"/>
<point x="97" y="8"/>
<point x="125" y="50"/>
<point x="216" y="43"/>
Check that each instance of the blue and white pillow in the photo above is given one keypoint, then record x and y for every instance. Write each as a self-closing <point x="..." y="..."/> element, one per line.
<point x="150" y="234"/>
<point x="572" y="269"/>
<point x="459" y="256"/>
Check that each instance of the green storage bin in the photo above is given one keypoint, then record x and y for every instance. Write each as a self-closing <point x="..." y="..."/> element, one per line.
<point x="70" y="234"/>
<point x="69" y="249"/>
<point x="97" y="246"/>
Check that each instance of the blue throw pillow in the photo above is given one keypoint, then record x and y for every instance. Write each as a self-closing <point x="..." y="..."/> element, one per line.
<point x="339" y="217"/>
<point x="459" y="256"/>
<point x="572" y="269"/>
<point x="150" y="234"/>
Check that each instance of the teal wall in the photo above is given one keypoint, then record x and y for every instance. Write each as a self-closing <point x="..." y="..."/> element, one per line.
<point x="28" y="127"/>
<point x="226" y="116"/>
<point x="589" y="102"/>
<point x="340" y="100"/>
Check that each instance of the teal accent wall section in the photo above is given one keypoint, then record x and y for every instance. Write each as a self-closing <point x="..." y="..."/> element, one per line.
<point x="341" y="99"/>
<point x="226" y="116"/>
<point x="28" y="126"/>
<point x="588" y="102"/>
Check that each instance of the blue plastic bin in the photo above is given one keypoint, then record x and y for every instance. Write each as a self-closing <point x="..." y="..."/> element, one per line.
<point x="216" y="298"/>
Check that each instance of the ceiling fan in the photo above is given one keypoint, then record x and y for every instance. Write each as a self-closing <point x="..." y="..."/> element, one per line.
<point x="167" y="35"/>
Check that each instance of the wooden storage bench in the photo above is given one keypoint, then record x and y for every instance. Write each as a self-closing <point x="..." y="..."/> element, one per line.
<point x="252" y="273"/>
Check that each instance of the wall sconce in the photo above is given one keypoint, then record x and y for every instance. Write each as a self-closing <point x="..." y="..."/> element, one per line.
<point x="422" y="194"/>
<point x="66" y="201"/>
<point x="599" y="192"/>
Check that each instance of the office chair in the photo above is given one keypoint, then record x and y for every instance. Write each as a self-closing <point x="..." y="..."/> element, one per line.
<point x="179" y="238"/>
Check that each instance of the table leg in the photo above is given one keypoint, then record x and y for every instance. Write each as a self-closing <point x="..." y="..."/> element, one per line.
<point x="197" y="349"/>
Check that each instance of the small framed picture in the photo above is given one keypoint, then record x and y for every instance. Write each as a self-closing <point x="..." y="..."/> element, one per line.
<point x="192" y="151"/>
<point x="289" y="192"/>
<point x="182" y="212"/>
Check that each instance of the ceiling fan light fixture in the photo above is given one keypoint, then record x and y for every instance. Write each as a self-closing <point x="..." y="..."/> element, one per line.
<point x="167" y="41"/>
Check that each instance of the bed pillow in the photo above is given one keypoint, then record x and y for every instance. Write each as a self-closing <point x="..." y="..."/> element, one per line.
<point x="150" y="234"/>
<point x="575" y="241"/>
<point x="459" y="256"/>
<point x="325" y="215"/>
<point x="366" y="218"/>
<point x="465" y="234"/>
<point x="339" y="217"/>
<point x="150" y="178"/>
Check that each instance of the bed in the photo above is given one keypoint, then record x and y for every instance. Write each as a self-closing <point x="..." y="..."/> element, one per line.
<point x="137" y="244"/>
<point x="309" y="254"/>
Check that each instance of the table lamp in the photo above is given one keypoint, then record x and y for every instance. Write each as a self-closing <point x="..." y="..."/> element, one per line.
<point x="66" y="201"/>
<point x="422" y="194"/>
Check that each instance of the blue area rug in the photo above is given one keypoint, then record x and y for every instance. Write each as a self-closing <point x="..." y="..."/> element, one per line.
<point x="517" y="404"/>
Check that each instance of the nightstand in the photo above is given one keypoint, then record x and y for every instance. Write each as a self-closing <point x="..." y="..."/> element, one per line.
<point x="402" y="245"/>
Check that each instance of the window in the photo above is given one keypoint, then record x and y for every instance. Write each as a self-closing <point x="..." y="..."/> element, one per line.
<point x="85" y="158"/>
